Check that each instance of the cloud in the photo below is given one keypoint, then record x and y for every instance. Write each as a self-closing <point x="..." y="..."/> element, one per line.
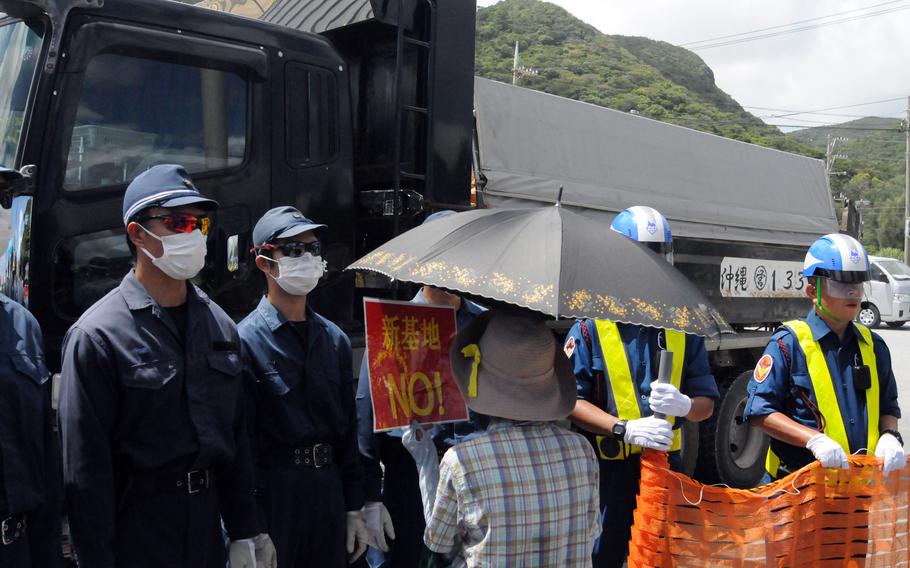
<point x="843" y="64"/>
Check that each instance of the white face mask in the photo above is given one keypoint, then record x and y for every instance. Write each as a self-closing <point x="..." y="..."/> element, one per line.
<point x="183" y="256"/>
<point x="298" y="276"/>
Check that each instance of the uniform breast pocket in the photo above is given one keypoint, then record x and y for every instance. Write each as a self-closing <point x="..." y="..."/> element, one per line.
<point x="280" y="382"/>
<point x="150" y="375"/>
<point x="225" y="362"/>
<point x="31" y="367"/>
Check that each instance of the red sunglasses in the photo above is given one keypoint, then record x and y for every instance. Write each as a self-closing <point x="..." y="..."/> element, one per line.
<point x="182" y="222"/>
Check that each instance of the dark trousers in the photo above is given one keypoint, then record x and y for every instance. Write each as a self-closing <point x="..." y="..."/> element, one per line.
<point x="304" y="511"/>
<point x="177" y="530"/>
<point x="619" y="481"/>
<point x="401" y="496"/>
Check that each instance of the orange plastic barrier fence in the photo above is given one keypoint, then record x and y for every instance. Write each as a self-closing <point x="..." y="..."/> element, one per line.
<point x="814" y="517"/>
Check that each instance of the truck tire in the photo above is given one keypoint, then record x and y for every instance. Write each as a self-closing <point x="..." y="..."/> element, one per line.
<point x="869" y="316"/>
<point x="895" y="324"/>
<point x="689" y="447"/>
<point x="732" y="452"/>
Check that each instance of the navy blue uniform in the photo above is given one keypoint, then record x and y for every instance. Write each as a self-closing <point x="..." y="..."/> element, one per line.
<point x="30" y="482"/>
<point x="303" y="382"/>
<point x="397" y="487"/>
<point x="787" y="381"/>
<point x="619" y="479"/>
<point x="143" y="404"/>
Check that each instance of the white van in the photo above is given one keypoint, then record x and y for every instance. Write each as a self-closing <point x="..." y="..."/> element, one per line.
<point x="886" y="298"/>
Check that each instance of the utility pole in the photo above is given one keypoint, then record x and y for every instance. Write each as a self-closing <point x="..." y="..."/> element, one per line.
<point x="907" y="186"/>
<point x="831" y="156"/>
<point x="517" y="70"/>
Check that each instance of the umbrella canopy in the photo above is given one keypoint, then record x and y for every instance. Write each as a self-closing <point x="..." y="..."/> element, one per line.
<point x="551" y="260"/>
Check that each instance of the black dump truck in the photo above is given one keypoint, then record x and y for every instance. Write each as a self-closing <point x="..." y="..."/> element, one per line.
<point x="365" y="115"/>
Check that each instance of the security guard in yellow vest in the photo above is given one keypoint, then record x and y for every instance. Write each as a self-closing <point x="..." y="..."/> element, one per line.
<point x="614" y="366"/>
<point x="824" y="388"/>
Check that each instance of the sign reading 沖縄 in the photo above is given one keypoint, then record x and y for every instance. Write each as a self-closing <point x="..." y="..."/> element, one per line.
<point x="408" y="357"/>
<point x="758" y="278"/>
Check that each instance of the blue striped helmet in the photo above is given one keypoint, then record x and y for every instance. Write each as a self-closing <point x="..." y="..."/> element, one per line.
<point x="646" y="225"/>
<point x="838" y="257"/>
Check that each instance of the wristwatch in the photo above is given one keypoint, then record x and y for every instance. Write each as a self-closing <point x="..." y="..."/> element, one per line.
<point x="619" y="429"/>
<point x="894" y="433"/>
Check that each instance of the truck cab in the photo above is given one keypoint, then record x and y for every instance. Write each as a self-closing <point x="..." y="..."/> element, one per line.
<point x="886" y="297"/>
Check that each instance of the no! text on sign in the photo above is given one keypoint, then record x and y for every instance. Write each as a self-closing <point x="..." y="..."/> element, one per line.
<point x="408" y="357"/>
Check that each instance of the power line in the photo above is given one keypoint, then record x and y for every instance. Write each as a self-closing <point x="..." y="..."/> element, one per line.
<point x="839" y="107"/>
<point x="818" y="113"/>
<point x="795" y="30"/>
<point x="790" y="24"/>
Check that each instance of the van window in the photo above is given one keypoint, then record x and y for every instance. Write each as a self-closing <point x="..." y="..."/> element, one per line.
<point x="875" y="272"/>
<point x="135" y="112"/>
<point x="897" y="269"/>
<point x="311" y="122"/>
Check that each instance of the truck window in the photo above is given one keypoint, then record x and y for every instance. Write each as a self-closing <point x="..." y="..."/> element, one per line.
<point x="136" y="111"/>
<point x="20" y="46"/>
<point x="88" y="267"/>
<point x="311" y="125"/>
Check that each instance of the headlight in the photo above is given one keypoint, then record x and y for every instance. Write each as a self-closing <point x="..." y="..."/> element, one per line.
<point x="902" y="298"/>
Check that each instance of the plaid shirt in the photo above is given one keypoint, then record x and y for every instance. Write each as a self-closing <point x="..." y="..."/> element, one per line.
<point x="521" y="494"/>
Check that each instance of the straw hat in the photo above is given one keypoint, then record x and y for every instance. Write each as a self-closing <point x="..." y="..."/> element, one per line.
<point x="509" y="366"/>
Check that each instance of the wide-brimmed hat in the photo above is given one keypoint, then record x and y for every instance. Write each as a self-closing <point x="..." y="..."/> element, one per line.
<point x="509" y="366"/>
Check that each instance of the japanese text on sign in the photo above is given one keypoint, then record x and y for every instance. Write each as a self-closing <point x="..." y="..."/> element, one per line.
<point x="408" y="358"/>
<point x="757" y="278"/>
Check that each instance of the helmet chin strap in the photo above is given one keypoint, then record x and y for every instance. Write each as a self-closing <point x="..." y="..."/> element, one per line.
<point x="818" y="301"/>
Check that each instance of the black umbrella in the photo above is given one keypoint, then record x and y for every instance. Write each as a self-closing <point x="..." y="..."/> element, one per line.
<point x="551" y="260"/>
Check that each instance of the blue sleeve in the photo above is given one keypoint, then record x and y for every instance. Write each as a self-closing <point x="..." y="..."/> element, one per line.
<point x="888" y="404"/>
<point x="697" y="377"/>
<point x="88" y="399"/>
<point x="366" y="438"/>
<point x="576" y="349"/>
<point x="769" y="388"/>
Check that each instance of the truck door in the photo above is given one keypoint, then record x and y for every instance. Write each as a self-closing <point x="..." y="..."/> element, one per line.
<point x="130" y="97"/>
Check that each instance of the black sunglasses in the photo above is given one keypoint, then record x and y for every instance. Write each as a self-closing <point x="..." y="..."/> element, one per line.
<point x="296" y="248"/>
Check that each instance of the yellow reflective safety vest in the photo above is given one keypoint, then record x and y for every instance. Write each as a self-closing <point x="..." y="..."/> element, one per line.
<point x="625" y="401"/>
<point x="826" y="394"/>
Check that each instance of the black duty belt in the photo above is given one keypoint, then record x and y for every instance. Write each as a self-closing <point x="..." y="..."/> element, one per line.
<point x="11" y="529"/>
<point x="315" y="456"/>
<point x="192" y="482"/>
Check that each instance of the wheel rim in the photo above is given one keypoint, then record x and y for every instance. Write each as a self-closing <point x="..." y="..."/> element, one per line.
<point x="746" y="443"/>
<point x="866" y="316"/>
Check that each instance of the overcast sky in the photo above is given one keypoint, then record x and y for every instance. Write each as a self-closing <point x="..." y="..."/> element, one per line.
<point x="866" y="59"/>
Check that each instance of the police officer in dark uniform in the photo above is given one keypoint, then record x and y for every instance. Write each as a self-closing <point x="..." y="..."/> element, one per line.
<point x="151" y="414"/>
<point x="30" y="484"/>
<point x="309" y="476"/>
<point x="393" y="505"/>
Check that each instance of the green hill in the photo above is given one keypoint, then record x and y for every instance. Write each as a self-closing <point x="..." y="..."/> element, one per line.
<point x="653" y="78"/>
<point x="873" y="171"/>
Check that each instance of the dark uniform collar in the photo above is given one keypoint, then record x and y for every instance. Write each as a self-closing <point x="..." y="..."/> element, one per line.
<point x="820" y="328"/>
<point x="138" y="298"/>
<point x="275" y="319"/>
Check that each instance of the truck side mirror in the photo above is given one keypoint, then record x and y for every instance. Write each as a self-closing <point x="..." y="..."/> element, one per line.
<point x="12" y="183"/>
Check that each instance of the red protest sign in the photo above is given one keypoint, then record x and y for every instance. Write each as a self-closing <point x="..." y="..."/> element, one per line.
<point x="408" y="357"/>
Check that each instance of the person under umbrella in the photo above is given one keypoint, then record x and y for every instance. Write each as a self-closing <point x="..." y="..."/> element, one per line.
<point x="393" y="509"/>
<point x="615" y="366"/>
<point x="524" y="492"/>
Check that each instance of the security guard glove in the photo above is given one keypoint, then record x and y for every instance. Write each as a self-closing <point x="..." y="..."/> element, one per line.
<point x="891" y="452"/>
<point x="421" y="447"/>
<point x="266" y="555"/>
<point x="666" y="399"/>
<point x="357" y="536"/>
<point x="651" y="432"/>
<point x="828" y="452"/>
<point x="379" y="524"/>
<point x="242" y="553"/>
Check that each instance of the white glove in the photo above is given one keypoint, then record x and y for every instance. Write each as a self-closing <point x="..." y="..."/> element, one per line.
<point x="828" y="452"/>
<point x="651" y="432"/>
<point x="242" y="553"/>
<point x="421" y="447"/>
<point x="890" y="450"/>
<point x="357" y="536"/>
<point x="666" y="399"/>
<point x="379" y="524"/>
<point x="266" y="555"/>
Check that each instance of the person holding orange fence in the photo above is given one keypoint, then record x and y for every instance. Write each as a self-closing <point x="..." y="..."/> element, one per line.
<point x="824" y="387"/>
